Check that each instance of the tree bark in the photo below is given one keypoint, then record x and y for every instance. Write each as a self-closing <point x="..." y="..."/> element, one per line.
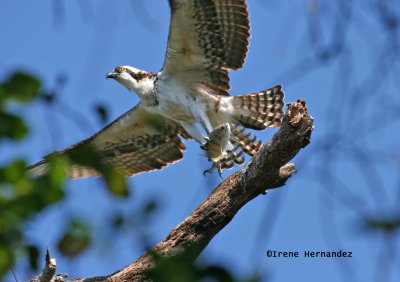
<point x="268" y="169"/>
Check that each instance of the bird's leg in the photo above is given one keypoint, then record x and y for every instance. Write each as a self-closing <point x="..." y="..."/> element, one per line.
<point x="215" y="145"/>
<point x="218" y="138"/>
<point x="205" y="123"/>
<point x="202" y="118"/>
<point x="194" y="132"/>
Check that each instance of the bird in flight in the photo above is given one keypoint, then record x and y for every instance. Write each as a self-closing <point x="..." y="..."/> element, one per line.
<point x="188" y="98"/>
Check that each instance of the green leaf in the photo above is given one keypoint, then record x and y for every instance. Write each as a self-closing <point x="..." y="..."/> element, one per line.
<point x="12" y="126"/>
<point x="22" y="197"/>
<point x="20" y="87"/>
<point x="13" y="172"/>
<point x="7" y="257"/>
<point x="33" y="254"/>
<point x="115" y="180"/>
<point x="76" y="238"/>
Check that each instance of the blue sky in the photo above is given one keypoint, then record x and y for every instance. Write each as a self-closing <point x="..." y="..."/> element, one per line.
<point x="313" y="212"/>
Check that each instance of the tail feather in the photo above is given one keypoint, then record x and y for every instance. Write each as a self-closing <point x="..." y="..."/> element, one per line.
<point x="260" y="110"/>
<point x="243" y="142"/>
<point x="247" y="141"/>
<point x="250" y="122"/>
<point x="232" y="156"/>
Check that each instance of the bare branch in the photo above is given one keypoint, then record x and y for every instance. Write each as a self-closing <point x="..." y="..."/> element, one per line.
<point x="48" y="271"/>
<point x="267" y="170"/>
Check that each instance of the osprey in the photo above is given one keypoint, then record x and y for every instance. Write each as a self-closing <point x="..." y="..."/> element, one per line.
<point x="188" y="98"/>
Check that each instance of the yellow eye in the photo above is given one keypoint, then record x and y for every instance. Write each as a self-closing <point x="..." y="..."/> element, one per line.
<point x="119" y="69"/>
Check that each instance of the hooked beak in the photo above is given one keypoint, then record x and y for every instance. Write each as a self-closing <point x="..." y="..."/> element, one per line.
<point x="111" y="74"/>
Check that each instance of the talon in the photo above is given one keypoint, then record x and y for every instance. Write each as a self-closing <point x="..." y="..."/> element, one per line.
<point x="215" y="165"/>
<point x="220" y="171"/>
<point x="210" y="170"/>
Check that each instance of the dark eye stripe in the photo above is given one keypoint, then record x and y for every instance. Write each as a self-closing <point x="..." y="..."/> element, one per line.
<point x="138" y="75"/>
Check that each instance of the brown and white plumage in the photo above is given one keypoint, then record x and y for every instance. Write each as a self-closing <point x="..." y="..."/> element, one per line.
<point x="207" y="38"/>
<point x="135" y="142"/>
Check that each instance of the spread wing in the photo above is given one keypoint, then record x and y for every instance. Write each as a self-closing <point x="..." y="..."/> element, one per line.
<point x="206" y="38"/>
<point x="137" y="141"/>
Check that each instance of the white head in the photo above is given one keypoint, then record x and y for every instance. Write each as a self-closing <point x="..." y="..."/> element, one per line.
<point x="140" y="81"/>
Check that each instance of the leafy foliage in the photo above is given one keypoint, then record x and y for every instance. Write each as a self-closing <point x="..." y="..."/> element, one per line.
<point x="85" y="155"/>
<point x="19" y="88"/>
<point x="22" y="197"/>
<point x="76" y="238"/>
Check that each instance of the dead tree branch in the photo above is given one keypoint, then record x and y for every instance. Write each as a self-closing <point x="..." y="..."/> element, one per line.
<point x="267" y="170"/>
<point x="49" y="270"/>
